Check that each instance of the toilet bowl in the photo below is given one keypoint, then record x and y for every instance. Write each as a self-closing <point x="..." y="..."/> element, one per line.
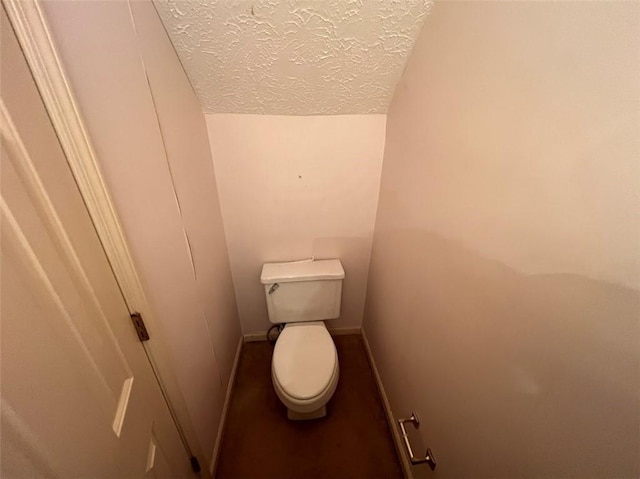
<point x="304" y="369"/>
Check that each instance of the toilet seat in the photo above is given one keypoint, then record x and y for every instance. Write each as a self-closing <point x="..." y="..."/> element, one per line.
<point x="312" y="405"/>
<point x="305" y="364"/>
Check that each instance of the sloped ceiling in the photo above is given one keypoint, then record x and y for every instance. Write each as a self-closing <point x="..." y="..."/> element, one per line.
<point x="293" y="57"/>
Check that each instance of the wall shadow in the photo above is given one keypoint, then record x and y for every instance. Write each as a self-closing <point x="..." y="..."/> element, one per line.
<point x="513" y="375"/>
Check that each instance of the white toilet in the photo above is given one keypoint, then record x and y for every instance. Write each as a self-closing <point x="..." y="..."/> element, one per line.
<point x="304" y="369"/>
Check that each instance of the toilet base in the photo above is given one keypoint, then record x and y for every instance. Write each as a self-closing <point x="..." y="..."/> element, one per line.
<point x="303" y="416"/>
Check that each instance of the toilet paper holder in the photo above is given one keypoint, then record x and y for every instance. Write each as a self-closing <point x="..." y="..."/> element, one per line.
<point x="429" y="457"/>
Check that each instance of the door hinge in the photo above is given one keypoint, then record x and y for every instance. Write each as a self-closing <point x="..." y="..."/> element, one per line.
<point x="141" y="329"/>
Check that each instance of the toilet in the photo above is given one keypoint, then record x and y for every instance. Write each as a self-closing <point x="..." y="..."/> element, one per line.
<point x="304" y="368"/>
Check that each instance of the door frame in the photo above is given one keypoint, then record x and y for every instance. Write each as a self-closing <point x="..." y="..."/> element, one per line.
<point x="36" y="41"/>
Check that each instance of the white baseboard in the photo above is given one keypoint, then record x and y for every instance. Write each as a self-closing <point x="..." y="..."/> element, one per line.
<point x="343" y="331"/>
<point x="397" y="440"/>
<point x="225" y="409"/>
<point x="253" y="337"/>
<point x="262" y="335"/>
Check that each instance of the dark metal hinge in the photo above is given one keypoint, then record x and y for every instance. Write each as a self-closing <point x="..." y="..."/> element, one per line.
<point x="141" y="329"/>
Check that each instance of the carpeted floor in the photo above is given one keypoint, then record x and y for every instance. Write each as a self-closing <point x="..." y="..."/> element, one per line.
<point x="353" y="441"/>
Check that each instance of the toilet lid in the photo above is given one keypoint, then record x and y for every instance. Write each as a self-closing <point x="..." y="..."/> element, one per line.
<point x="304" y="359"/>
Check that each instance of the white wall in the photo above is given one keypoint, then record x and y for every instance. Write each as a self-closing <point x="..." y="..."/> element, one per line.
<point x="150" y="136"/>
<point x="503" y="301"/>
<point x="294" y="187"/>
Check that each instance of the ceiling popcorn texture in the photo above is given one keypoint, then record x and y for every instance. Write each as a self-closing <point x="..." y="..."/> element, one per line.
<point x="293" y="57"/>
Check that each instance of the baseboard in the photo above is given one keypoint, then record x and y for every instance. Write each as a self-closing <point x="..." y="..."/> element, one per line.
<point x="253" y="337"/>
<point x="262" y="335"/>
<point x="343" y="331"/>
<point x="225" y="410"/>
<point x="397" y="440"/>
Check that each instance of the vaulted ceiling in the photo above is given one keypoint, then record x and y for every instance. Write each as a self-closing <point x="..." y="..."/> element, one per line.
<point x="293" y="57"/>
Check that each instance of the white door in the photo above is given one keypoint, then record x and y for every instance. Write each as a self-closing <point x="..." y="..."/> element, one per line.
<point x="78" y="396"/>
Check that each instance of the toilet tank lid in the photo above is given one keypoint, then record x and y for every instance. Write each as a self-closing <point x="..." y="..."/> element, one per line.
<point x="301" y="271"/>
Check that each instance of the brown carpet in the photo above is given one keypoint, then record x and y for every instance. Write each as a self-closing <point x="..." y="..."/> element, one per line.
<point x="353" y="441"/>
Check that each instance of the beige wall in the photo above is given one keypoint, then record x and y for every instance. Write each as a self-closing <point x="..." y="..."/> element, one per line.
<point x="294" y="187"/>
<point x="150" y="135"/>
<point x="503" y="301"/>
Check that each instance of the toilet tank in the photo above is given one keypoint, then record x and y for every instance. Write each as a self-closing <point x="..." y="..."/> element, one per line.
<point x="303" y="290"/>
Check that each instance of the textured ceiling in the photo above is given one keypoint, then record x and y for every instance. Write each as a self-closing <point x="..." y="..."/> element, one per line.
<point x="293" y="57"/>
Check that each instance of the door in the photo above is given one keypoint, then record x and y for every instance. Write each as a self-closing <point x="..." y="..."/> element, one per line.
<point x="78" y="396"/>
